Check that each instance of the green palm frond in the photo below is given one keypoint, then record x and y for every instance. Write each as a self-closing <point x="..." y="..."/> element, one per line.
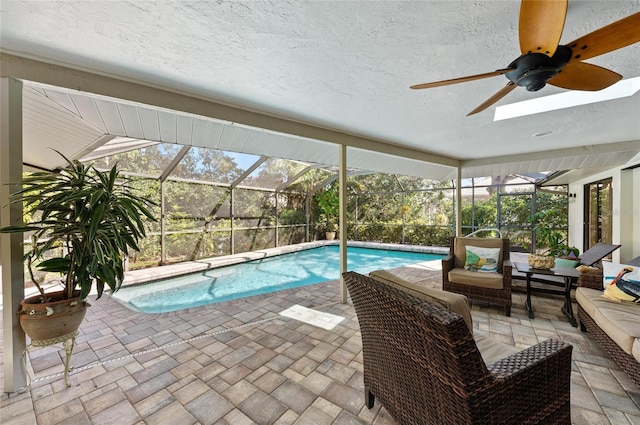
<point x="92" y="214"/>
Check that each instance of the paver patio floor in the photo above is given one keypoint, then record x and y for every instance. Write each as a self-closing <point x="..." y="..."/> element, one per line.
<point x="241" y="362"/>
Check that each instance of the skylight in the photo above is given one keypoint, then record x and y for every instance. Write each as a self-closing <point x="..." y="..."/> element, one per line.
<point x="623" y="88"/>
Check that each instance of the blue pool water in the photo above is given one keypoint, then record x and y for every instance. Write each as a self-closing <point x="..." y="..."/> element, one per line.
<point x="259" y="276"/>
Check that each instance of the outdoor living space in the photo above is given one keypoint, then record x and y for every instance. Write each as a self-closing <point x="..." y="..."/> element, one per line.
<point x="228" y="128"/>
<point x="242" y="362"/>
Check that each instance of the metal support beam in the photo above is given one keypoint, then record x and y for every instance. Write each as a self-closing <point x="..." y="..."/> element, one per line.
<point x="307" y="218"/>
<point x="11" y="250"/>
<point x="163" y="224"/>
<point x="248" y="172"/>
<point x="459" y="202"/>
<point x="105" y="149"/>
<point x="342" y="183"/>
<point x="286" y="184"/>
<point x="277" y="235"/>
<point x="324" y="183"/>
<point x="232" y="216"/>
<point x="163" y="207"/>
<point x="174" y="163"/>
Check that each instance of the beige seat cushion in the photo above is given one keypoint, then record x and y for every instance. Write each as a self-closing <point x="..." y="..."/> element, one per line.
<point x="623" y="327"/>
<point x="482" y="280"/>
<point x="621" y="321"/>
<point x="589" y="299"/>
<point x="456" y="303"/>
<point x="635" y="351"/>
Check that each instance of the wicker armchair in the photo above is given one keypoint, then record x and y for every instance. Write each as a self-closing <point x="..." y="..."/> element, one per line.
<point x="478" y="286"/>
<point x="422" y="363"/>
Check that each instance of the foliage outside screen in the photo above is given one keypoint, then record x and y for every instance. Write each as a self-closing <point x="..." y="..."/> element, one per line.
<point x="421" y="217"/>
<point x="380" y="207"/>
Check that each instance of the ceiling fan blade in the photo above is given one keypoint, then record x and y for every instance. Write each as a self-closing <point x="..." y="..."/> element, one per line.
<point x="584" y="76"/>
<point x="541" y="24"/>
<point x="614" y="36"/>
<point x="461" y="79"/>
<point x="496" y="97"/>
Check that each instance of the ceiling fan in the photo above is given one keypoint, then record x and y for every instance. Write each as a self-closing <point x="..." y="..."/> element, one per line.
<point x="544" y="60"/>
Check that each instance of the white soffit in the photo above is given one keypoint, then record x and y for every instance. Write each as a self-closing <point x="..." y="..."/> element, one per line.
<point x="600" y="156"/>
<point x="48" y="127"/>
<point x="571" y="176"/>
<point x="77" y="123"/>
<point x="81" y="123"/>
<point x="89" y="117"/>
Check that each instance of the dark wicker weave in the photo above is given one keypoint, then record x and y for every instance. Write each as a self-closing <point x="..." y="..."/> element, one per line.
<point x="422" y="364"/>
<point x="627" y="362"/>
<point x="496" y="296"/>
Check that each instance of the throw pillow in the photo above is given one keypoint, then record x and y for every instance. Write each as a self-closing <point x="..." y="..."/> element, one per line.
<point x="480" y="259"/>
<point x="611" y="270"/>
<point x="623" y="289"/>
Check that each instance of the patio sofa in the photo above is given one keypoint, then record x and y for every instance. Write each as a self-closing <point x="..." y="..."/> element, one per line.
<point x="422" y="363"/>
<point x="615" y="325"/>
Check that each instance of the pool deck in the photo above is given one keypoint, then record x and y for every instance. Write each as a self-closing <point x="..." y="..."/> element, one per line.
<point x="242" y="362"/>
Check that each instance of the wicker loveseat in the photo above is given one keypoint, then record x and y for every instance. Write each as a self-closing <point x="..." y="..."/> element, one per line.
<point x="422" y="363"/>
<point x="615" y="325"/>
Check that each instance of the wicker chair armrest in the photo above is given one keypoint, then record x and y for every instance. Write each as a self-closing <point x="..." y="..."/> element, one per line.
<point x="448" y="262"/>
<point x="545" y="355"/>
<point x="521" y="379"/>
<point x="507" y="272"/>
<point x="591" y="280"/>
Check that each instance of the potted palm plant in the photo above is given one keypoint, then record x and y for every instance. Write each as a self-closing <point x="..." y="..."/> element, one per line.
<point x="82" y="224"/>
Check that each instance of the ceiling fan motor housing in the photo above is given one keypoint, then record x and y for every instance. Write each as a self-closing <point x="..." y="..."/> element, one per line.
<point x="533" y="70"/>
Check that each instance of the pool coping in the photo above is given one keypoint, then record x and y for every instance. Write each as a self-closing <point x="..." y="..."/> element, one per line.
<point x="136" y="277"/>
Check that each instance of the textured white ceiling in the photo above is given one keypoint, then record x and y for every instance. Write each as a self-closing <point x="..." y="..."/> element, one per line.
<point x="346" y="65"/>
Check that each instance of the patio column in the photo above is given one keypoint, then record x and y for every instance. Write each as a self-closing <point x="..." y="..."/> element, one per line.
<point x="163" y="225"/>
<point x="342" y="182"/>
<point x="14" y="341"/>
<point x="459" y="202"/>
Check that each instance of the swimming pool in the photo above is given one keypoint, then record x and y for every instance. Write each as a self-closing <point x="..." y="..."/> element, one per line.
<point x="258" y="277"/>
